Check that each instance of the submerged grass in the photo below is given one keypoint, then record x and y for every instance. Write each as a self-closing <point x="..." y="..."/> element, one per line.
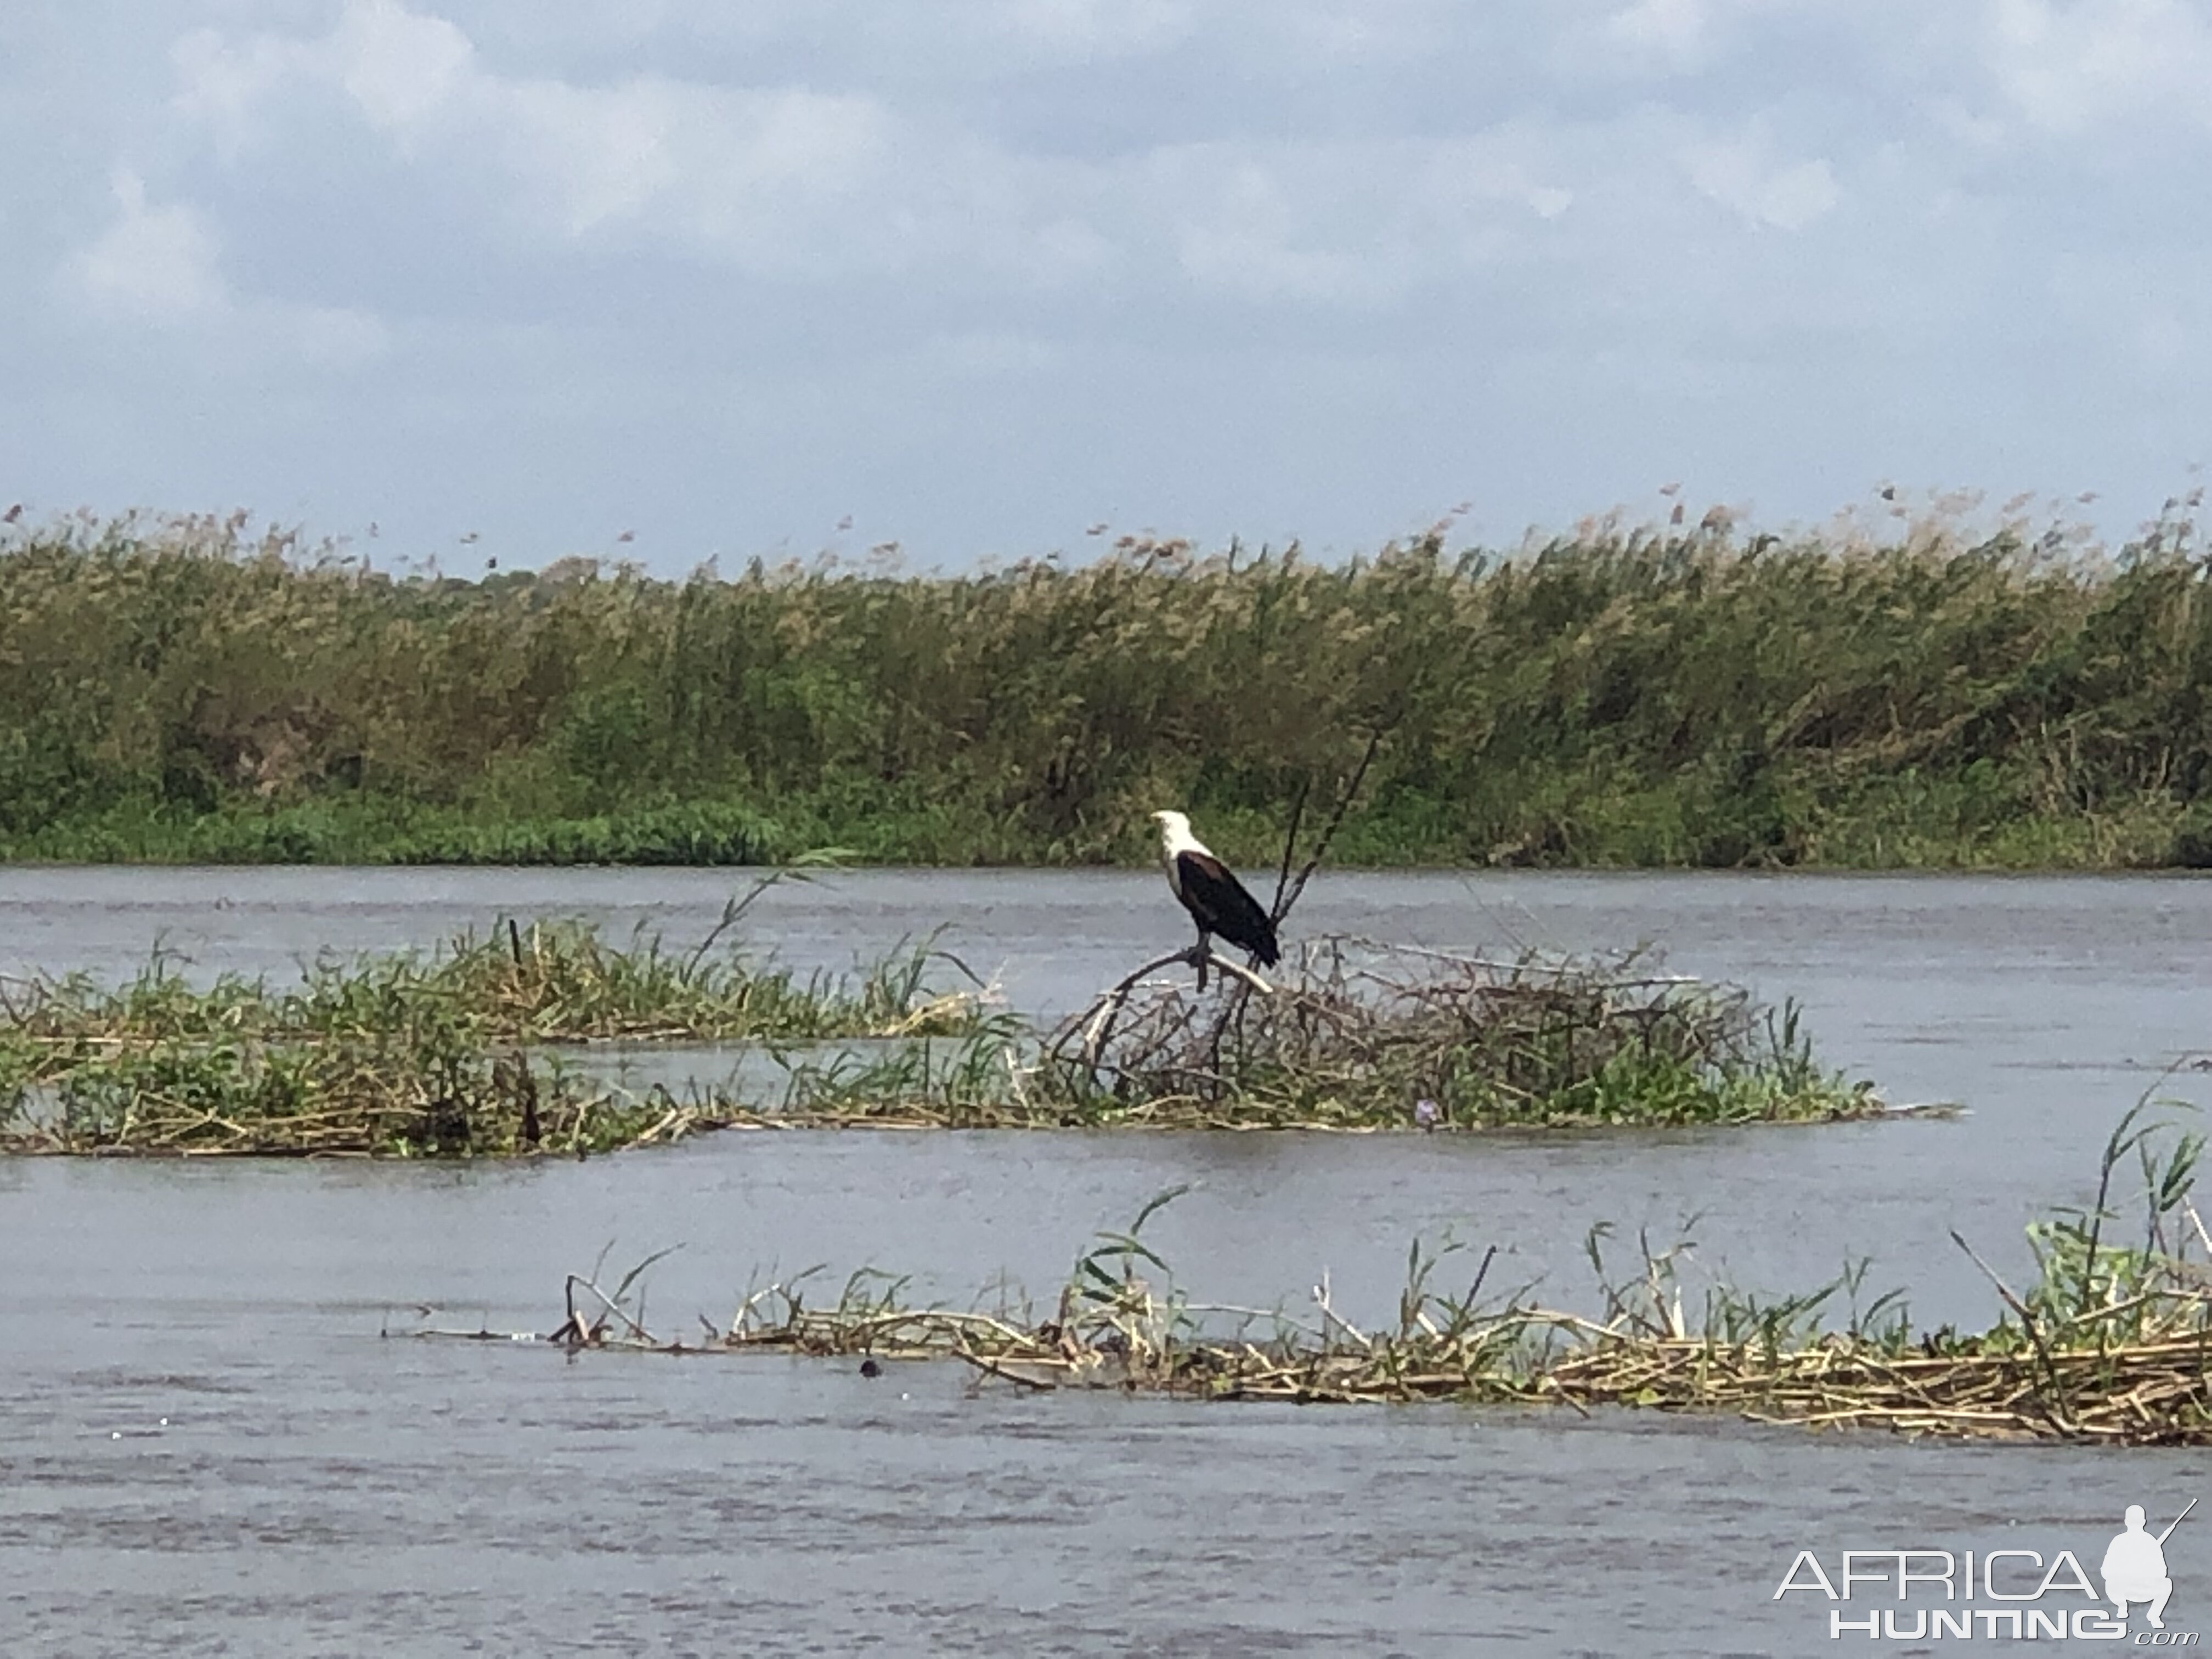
<point x="2111" y="1344"/>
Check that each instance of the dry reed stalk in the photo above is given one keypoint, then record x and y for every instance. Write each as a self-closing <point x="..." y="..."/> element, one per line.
<point x="2119" y="1356"/>
<point x="2142" y="1394"/>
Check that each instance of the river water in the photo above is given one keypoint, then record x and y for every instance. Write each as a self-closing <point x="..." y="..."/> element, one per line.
<point x="206" y="1446"/>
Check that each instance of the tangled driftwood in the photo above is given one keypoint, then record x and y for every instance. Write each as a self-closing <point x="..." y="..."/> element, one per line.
<point x="1357" y="1032"/>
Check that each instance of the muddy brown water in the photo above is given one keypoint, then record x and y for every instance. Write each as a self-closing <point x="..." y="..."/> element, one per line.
<point x="206" y="1446"/>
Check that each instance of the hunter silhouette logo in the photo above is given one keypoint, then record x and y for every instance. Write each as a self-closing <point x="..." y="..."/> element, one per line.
<point x="2010" y="1593"/>
<point x="2134" y="1566"/>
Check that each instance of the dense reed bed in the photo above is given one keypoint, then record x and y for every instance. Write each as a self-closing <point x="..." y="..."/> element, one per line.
<point x="1939" y="690"/>
<point x="2110" y="1344"/>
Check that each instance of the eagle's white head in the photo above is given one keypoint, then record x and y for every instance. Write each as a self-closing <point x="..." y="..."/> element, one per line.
<point x="1175" y="833"/>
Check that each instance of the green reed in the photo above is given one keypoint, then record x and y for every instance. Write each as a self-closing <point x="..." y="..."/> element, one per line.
<point x="415" y="1053"/>
<point x="1939" y="690"/>
<point x="424" y="1097"/>
<point x="545" y="982"/>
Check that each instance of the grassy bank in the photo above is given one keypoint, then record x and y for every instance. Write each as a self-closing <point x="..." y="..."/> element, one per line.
<point x="2108" y="1344"/>
<point x="1912" y="693"/>
<point x="445" y="1056"/>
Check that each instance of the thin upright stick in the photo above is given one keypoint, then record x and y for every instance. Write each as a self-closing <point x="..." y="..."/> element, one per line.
<point x="1276" y="906"/>
<point x="2034" y="1336"/>
<point x="1283" y="902"/>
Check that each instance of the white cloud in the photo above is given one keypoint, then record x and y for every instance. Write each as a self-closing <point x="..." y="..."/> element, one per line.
<point x="1248" y="235"/>
<point x="403" y="69"/>
<point x="728" y="167"/>
<point x="221" y="85"/>
<point x="1092" y="28"/>
<point x="1657" y="39"/>
<point x="153" y="264"/>
<point x="780" y="178"/>
<point x="790" y="182"/>
<point x="1356" y="223"/>
<point x="2067" y="67"/>
<point x="160" y="266"/>
<point x="1741" y="174"/>
<point x="583" y="220"/>
<point x="1672" y="30"/>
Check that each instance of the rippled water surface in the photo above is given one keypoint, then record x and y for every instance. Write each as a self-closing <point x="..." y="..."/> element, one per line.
<point x="318" y="1489"/>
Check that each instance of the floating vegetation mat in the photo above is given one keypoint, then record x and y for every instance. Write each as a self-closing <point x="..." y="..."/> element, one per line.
<point x="326" y="1099"/>
<point x="444" y="1055"/>
<point x="1354" y="1034"/>
<point x="441" y="1053"/>
<point x="539" y="983"/>
<point x="2111" y="1343"/>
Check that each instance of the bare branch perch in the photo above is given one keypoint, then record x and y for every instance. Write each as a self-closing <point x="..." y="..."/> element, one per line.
<point x="1283" y="900"/>
<point x="1096" y="1022"/>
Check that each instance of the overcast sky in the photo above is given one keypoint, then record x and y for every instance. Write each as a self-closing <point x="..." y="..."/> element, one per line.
<point x="978" y="275"/>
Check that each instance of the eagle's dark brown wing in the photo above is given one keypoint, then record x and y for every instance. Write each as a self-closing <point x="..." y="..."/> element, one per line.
<point x="1219" y="902"/>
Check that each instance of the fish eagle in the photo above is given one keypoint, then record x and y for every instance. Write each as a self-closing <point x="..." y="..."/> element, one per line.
<point x="1216" y="901"/>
